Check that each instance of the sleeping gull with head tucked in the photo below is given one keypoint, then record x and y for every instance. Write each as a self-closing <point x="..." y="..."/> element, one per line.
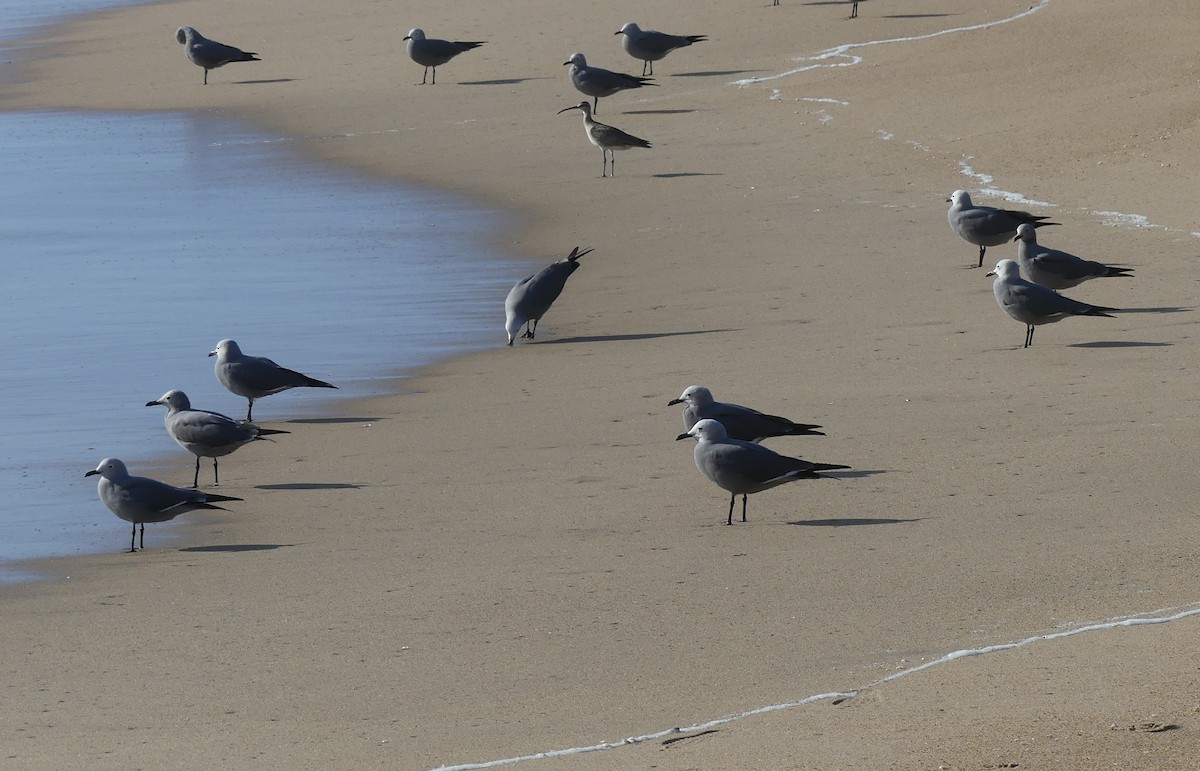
<point x="210" y="54"/>
<point x="140" y="500"/>
<point x="1033" y="304"/>
<point x="744" y="468"/>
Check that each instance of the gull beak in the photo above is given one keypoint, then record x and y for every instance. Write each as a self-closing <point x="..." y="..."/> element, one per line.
<point x="92" y="472"/>
<point x="675" y="401"/>
<point x="985" y="275"/>
<point x="153" y="403"/>
<point x="212" y="353"/>
<point x="684" y="435"/>
<point x="406" y="37"/>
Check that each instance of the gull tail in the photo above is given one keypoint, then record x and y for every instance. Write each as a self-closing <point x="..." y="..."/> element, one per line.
<point x="695" y="38"/>
<point x="264" y="432"/>
<point x="210" y="498"/>
<point x="1112" y="272"/>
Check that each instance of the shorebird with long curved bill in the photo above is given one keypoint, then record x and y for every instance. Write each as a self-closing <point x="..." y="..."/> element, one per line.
<point x="531" y="297"/>
<point x="608" y="138"/>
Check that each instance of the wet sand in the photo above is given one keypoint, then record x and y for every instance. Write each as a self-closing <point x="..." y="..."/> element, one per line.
<point x="512" y="556"/>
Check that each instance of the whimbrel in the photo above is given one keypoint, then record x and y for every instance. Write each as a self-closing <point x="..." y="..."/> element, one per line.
<point x="608" y="138"/>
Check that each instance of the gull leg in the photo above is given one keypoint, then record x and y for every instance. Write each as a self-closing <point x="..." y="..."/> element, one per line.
<point x="142" y="538"/>
<point x="1029" y="336"/>
<point x="982" y="249"/>
<point x="732" y="500"/>
<point x="743" y="508"/>
<point x="216" y="476"/>
<point x="131" y="537"/>
<point x="196" y="479"/>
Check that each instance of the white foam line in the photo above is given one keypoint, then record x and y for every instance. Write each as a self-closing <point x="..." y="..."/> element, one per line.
<point x="1139" y="619"/>
<point x="842" y="51"/>
<point x="1112" y="218"/>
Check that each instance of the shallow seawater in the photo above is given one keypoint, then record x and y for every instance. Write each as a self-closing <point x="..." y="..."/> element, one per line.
<point x="133" y="243"/>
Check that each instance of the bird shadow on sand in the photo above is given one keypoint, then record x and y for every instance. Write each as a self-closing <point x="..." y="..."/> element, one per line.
<point x="262" y="82"/>
<point x="656" y="112"/>
<point x="918" y="15"/>
<point x="236" y="547"/>
<point x="1163" y="309"/>
<point x="674" y="174"/>
<point x="642" y="336"/>
<point x="500" y="81"/>
<point x="852" y="521"/>
<point x="333" y="421"/>
<point x="713" y="73"/>
<point x="309" y="486"/>
<point x="1119" y="344"/>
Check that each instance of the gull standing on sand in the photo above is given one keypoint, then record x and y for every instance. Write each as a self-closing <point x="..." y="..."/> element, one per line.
<point x="1058" y="270"/>
<point x="431" y="52"/>
<point x="1033" y="304"/>
<point x="140" y="500"/>
<point x="740" y="422"/>
<point x="206" y="434"/>
<point x="608" y="138"/>
<point x="743" y="468"/>
<point x="597" y="81"/>
<point x="986" y="226"/>
<point x="256" y="376"/>
<point x="650" y="46"/>
<point x="531" y="297"/>
<point x="210" y="54"/>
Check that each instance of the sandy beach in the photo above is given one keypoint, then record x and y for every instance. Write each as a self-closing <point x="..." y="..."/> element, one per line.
<point x="511" y="555"/>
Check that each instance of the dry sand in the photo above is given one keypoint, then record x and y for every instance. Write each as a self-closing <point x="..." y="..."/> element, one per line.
<point x="512" y="555"/>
